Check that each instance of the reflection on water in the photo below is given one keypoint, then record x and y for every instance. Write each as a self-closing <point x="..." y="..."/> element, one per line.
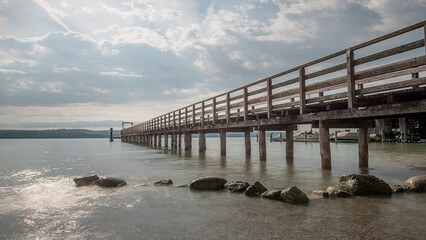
<point x="38" y="198"/>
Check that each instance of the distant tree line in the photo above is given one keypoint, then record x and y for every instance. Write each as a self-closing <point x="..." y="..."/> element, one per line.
<point x="57" y="133"/>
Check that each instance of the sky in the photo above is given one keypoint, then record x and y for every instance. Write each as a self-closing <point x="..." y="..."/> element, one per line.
<point x="92" y="64"/>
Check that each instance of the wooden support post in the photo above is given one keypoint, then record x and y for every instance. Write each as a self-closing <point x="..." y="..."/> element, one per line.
<point x="166" y="140"/>
<point x="363" y="147"/>
<point x="402" y="130"/>
<point x="245" y="104"/>
<point x="155" y="140"/>
<point x="214" y="111"/>
<point x="269" y="96"/>
<point x="172" y="140"/>
<point x="350" y="69"/>
<point x="180" y="141"/>
<point x="228" y="107"/>
<point x="193" y="115"/>
<point x="289" y="145"/>
<point x="321" y="94"/>
<point x="175" y="140"/>
<point x="222" y="142"/>
<point x="262" y="145"/>
<point x="247" y="142"/>
<point x="324" y="138"/>
<point x="202" y="114"/>
<point x="159" y="139"/>
<point x="110" y="135"/>
<point x="302" y="90"/>
<point x="188" y="141"/>
<point x="202" y="142"/>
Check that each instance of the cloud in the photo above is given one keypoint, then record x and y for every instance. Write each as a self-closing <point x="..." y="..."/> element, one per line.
<point x="166" y="54"/>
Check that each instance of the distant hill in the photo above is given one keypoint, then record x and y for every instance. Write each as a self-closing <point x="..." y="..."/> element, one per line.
<point x="57" y="133"/>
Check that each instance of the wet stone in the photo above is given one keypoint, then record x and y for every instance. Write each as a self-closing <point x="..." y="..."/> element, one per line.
<point x="255" y="190"/>
<point x="322" y="193"/>
<point x="396" y="188"/>
<point x="165" y="182"/>
<point x="273" y="194"/>
<point x="208" y="183"/>
<point x="337" y="193"/>
<point x="364" y="185"/>
<point x="110" y="182"/>
<point x="236" y="186"/>
<point x="86" y="180"/>
<point x="294" y="195"/>
<point x="416" y="184"/>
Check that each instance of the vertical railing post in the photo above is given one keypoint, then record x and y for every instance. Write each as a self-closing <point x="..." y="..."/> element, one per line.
<point x="193" y="115"/>
<point x="302" y="90"/>
<point x="186" y="116"/>
<point x="424" y="37"/>
<point x="179" y="119"/>
<point x="228" y="107"/>
<point x="202" y="113"/>
<point x="169" y="121"/>
<point x="269" y="96"/>
<point x="214" y="110"/>
<point x="174" y="119"/>
<point x="245" y="104"/>
<point x="350" y="69"/>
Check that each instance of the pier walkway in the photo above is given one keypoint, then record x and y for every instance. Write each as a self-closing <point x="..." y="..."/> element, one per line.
<point x="336" y="91"/>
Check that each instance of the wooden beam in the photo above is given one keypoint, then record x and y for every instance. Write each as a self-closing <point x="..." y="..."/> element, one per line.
<point x="324" y="139"/>
<point x="302" y="90"/>
<point x="214" y="111"/>
<point x="350" y="69"/>
<point x="247" y="143"/>
<point x="193" y="115"/>
<point x="245" y="104"/>
<point x="222" y="142"/>
<point x="202" y="142"/>
<point x="262" y="145"/>
<point x="289" y="145"/>
<point x="228" y="108"/>
<point x="269" y="96"/>
<point x="186" y="117"/>
<point x="363" y="147"/>
<point x="202" y="114"/>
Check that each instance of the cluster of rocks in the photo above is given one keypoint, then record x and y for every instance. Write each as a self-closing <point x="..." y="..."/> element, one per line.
<point x="106" y="182"/>
<point x="349" y="185"/>
<point x="292" y="195"/>
<point x="363" y="185"/>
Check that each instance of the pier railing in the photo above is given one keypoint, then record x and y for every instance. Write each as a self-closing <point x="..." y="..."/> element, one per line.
<point x="308" y="87"/>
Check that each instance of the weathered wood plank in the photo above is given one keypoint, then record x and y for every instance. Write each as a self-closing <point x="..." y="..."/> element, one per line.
<point x="302" y="90"/>
<point x="393" y="86"/>
<point x="350" y="69"/>
<point x="269" y="97"/>
<point x="245" y="104"/>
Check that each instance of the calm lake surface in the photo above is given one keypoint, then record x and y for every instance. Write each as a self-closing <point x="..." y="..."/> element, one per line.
<point x="39" y="200"/>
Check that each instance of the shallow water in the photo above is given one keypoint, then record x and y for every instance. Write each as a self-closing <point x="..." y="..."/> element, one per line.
<point x="38" y="198"/>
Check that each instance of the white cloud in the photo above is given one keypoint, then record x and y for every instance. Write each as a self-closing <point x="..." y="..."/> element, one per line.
<point x="2" y="70"/>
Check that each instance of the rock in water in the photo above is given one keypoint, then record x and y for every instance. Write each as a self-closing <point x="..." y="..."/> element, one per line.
<point x="323" y="193"/>
<point x="165" y="182"/>
<point x="109" y="182"/>
<point x="255" y="190"/>
<point x="364" y="185"/>
<point x="86" y="180"/>
<point x="208" y="183"/>
<point x="181" y="185"/>
<point x="396" y="188"/>
<point x="294" y="195"/>
<point x="337" y="193"/>
<point x="236" y="186"/>
<point x="416" y="183"/>
<point x="273" y="194"/>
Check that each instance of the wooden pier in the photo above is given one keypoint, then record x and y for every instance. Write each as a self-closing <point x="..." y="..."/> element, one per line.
<point x="350" y="94"/>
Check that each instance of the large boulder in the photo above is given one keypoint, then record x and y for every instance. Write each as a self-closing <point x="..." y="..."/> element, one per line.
<point x="109" y="182"/>
<point x="364" y="185"/>
<point x="273" y="194"/>
<point x="255" y="190"/>
<point x="337" y="193"/>
<point x="294" y="195"/>
<point x="164" y="182"/>
<point x="208" y="183"/>
<point x="416" y="183"/>
<point x="236" y="186"/>
<point x="86" y="180"/>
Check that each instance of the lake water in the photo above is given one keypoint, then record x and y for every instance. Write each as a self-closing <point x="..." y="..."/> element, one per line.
<point x="39" y="200"/>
